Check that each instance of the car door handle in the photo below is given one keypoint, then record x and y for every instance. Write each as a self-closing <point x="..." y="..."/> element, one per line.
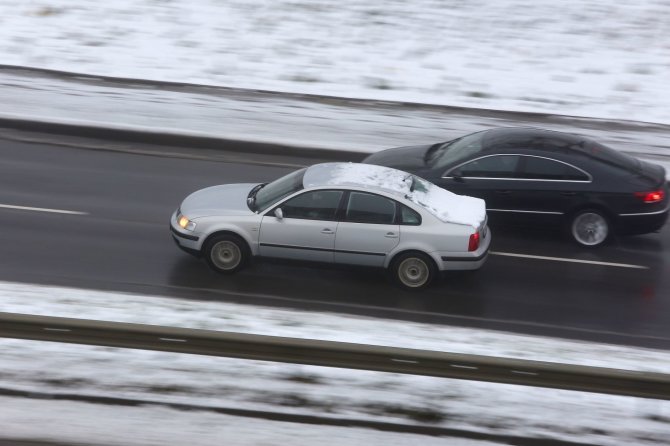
<point x="568" y="194"/>
<point x="327" y="231"/>
<point x="503" y="192"/>
<point x="391" y="235"/>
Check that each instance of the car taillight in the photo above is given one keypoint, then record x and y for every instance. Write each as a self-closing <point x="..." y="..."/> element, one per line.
<point x="651" y="197"/>
<point x="473" y="244"/>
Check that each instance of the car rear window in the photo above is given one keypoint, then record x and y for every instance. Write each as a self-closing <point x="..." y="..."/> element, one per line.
<point x="611" y="156"/>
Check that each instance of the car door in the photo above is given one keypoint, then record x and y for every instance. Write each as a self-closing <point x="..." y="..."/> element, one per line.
<point x="550" y="187"/>
<point x="306" y="229"/>
<point x="368" y="229"/>
<point x="490" y="177"/>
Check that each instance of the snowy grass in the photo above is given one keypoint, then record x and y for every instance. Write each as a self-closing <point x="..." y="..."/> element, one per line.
<point x="160" y="377"/>
<point x="594" y="58"/>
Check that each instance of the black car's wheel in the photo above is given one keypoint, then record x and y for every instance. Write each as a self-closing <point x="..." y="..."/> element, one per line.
<point x="226" y="253"/>
<point x="413" y="270"/>
<point x="589" y="228"/>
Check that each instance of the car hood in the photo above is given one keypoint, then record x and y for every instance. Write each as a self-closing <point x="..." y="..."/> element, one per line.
<point x="409" y="158"/>
<point x="227" y="199"/>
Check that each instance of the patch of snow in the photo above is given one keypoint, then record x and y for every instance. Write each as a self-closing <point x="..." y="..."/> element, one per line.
<point x="329" y="392"/>
<point x="599" y="59"/>
<point x="446" y="206"/>
<point x="97" y="424"/>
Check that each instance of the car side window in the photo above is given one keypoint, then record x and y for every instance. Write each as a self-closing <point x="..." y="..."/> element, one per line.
<point x="536" y="168"/>
<point x="409" y="216"/>
<point x="314" y="205"/>
<point x="495" y="166"/>
<point x="370" y="208"/>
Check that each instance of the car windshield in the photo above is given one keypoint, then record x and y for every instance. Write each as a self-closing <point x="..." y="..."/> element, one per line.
<point x="454" y="151"/>
<point x="278" y="189"/>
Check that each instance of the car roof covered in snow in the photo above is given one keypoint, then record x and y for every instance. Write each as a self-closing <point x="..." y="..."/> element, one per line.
<point x="444" y="205"/>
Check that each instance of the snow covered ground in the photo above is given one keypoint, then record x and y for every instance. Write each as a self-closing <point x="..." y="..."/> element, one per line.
<point x="94" y="424"/>
<point x="593" y="58"/>
<point x="208" y="382"/>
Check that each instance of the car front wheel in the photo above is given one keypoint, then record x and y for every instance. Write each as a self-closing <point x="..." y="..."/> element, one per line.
<point x="413" y="270"/>
<point x="226" y="253"/>
<point x="589" y="228"/>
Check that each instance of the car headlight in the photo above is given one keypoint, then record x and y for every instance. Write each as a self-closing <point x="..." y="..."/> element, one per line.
<point x="185" y="223"/>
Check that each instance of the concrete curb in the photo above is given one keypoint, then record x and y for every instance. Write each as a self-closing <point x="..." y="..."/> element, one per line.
<point x="338" y="354"/>
<point x="167" y="137"/>
<point x="131" y="83"/>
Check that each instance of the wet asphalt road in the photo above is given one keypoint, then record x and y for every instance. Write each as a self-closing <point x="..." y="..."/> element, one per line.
<point x="123" y="243"/>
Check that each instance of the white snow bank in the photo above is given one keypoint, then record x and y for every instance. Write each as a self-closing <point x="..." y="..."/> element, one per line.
<point x="291" y="388"/>
<point x="446" y="206"/>
<point x="96" y="424"/>
<point x="597" y="58"/>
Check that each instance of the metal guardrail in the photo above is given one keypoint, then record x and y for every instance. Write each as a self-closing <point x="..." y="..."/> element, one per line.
<point x="337" y="354"/>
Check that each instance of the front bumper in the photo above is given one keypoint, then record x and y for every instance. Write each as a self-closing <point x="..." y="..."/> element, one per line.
<point x="188" y="242"/>
<point x="193" y="252"/>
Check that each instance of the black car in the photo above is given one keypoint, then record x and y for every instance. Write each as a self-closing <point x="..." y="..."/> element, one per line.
<point x="537" y="176"/>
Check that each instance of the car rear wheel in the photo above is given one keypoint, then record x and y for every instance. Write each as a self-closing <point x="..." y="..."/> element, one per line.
<point x="589" y="228"/>
<point x="413" y="270"/>
<point x="226" y="253"/>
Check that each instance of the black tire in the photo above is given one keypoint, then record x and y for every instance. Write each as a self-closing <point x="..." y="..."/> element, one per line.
<point x="226" y="253"/>
<point x="589" y="228"/>
<point x="413" y="270"/>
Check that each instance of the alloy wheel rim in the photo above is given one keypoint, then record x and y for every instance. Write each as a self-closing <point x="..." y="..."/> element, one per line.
<point x="413" y="272"/>
<point x="590" y="229"/>
<point x="226" y="255"/>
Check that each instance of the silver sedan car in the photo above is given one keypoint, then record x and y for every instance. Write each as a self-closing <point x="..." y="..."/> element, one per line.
<point x="347" y="213"/>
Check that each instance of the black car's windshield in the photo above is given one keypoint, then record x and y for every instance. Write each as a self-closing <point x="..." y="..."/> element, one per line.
<point x="277" y="190"/>
<point x="456" y="150"/>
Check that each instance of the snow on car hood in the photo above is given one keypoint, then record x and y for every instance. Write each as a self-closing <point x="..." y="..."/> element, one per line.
<point x="446" y="206"/>
<point x="226" y="199"/>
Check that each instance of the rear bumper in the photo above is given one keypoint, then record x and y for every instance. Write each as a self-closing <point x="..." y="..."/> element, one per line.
<point x="629" y="224"/>
<point x="464" y="263"/>
<point x="467" y="261"/>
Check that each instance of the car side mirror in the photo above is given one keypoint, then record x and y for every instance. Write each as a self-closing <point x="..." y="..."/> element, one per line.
<point x="457" y="177"/>
<point x="279" y="214"/>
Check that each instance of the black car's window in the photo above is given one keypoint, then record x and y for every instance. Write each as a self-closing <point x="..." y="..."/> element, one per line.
<point x="314" y="205"/>
<point x="409" y="216"/>
<point x="536" y="168"/>
<point x="513" y="139"/>
<point x="494" y="166"/>
<point x="370" y="208"/>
